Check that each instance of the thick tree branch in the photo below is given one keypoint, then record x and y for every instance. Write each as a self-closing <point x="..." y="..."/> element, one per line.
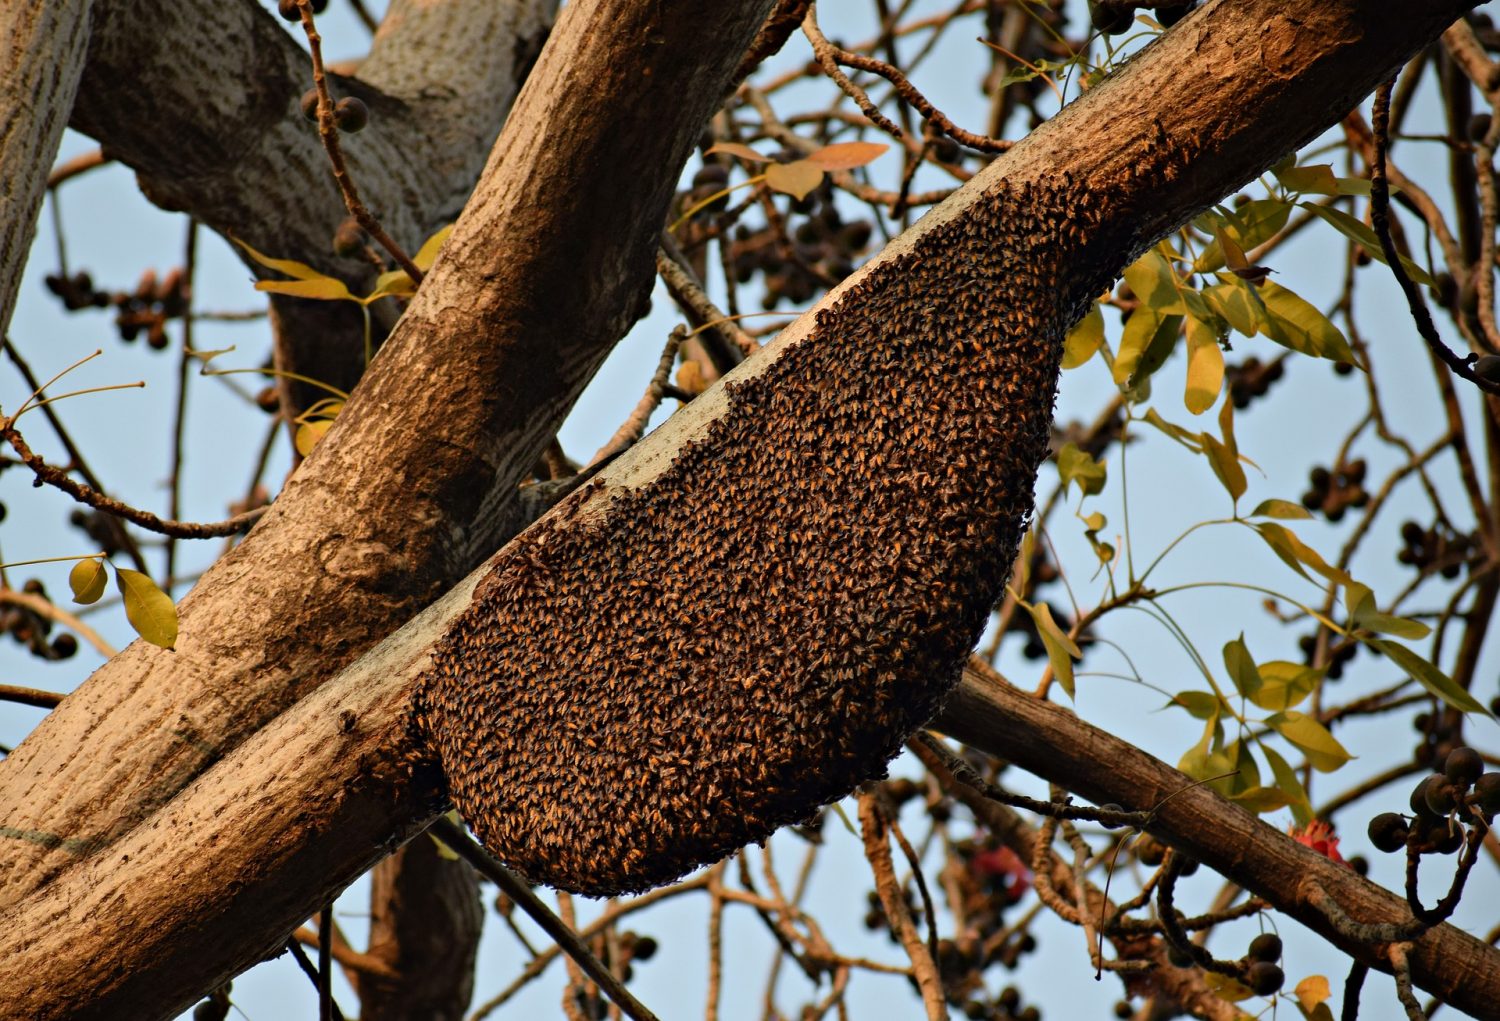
<point x="418" y="480"/>
<point x="42" y="50"/>
<point x="521" y="307"/>
<point x="1051" y="742"/>
<point x="222" y="79"/>
<point x="425" y="920"/>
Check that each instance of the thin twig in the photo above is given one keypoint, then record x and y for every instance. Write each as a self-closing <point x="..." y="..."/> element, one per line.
<point x="1401" y="969"/>
<point x="29" y="696"/>
<point x="329" y="133"/>
<point x="905" y="90"/>
<point x="75" y="456"/>
<point x="179" y="416"/>
<point x="44" y="608"/>
<point x="90" y="496"/>
<point x="878" y="851"/>
<point x="325" y="963"/>
<point x="310" y="970"/>
<point x="673" y="268"/>
<point x="1380" y="212"/>
<point x="79" y="164"/>
<point x="517" y="890"/>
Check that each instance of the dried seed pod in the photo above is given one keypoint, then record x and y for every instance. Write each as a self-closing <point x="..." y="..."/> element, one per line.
<point x="702" y="658"/>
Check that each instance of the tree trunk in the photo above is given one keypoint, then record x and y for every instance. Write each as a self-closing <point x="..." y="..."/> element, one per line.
<point x="230" y="788"/>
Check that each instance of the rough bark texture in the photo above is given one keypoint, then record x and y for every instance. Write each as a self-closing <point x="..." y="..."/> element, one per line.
<point x="425" y="921"/>
<point x="1051" y="742"/>
<point x="417" y="481"/>
<point x="458" y="404"/>
<point x="41" y="59"/>
<point x="235" y="152"/>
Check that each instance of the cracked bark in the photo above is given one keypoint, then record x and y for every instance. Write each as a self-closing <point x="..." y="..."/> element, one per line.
<point x="259" y="785"/>
<point x="234" y="151"/>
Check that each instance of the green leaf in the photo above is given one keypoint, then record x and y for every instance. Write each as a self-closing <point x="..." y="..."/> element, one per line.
<point x="1429" y="676"/>
<point x="1205" y="372"/>
<point x="1022" y="572"/>
<point x="1083" y="339"/>
<point x="1356" y="230"/>
<point x="1190" y="440"/>
<point x="1296" y="324"/>
<point x="1155" y="283"/>
<point x="1290" y="784"/>
<point x="1310" y="179"/>
<point x="1323" y="751"/>
<point x="1259" y="799"/>
<point x="1203" y="705"/>
<point x="1241" y="667"/>
<point x="1075" y="465"/>
<point x="87" y="579"/>
<point x="1297" y="553"/>
<point x="322" y="289"/>
<point x="796" y="178"/>
<point x="1365" y="615"/>
<point x="1149" y="350"/>
<point x="1284" y="684"/>
<point x="1207" y="758"/>
<point x="1246" y="773"/>
<point x="1250" y="226"/>
<point x="1238" y="304"/>
<point x="1061" y="650"/>
<point x="392" y="283"/>
<point x="148" y="608"/>
<point x="1226" y="465"/>
<point x="1283" y="509"/>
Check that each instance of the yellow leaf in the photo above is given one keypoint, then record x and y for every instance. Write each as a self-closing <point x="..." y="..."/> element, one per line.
<point x="323" y="288"/>
<point x="292" y="268"/>
<point x="1083" y="339"/>
<point x="846" y="155"/>
<point x="148" y="608"/>
<point x="427" y="254"/>
<point x="1311" y="991"/>
<point x="392" y="283"/>
<point x="690" y="378"/>
<point x="1297" y="324"/>
<point x="743" y="152"/>
<point x="1314" y="179"/>
<point x="795" y="179"/>
<point x="1227" y="988"/>
<point x="309" y="433"/>
<point x="1248" y="227"/>
<point x="1155" y="283"/>
<point x="1205" y="373"/>
<point x="1061" y="650"/>
<point x="1323" y="751"/>
<point x="86" y="579"/>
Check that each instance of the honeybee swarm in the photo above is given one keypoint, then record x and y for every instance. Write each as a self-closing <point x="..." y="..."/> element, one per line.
<point x="754" y="633"/>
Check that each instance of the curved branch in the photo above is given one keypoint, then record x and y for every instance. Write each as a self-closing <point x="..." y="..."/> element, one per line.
<point x="91" y="497"/>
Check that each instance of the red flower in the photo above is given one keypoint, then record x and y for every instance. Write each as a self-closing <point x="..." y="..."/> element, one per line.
<point x="1318" y="835"/>
<point x="1004" y="864"/>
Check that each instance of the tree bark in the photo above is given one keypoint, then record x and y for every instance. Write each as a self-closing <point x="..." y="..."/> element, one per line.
<point x="425" y="921"/>
<point x="42" y="48"/>
<point x="417" y="481"/>
<point x="246" y="163"/>
<point x="256" y="817"/>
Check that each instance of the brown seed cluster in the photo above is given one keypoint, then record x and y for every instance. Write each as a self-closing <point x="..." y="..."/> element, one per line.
<point x="754" y="632"/>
